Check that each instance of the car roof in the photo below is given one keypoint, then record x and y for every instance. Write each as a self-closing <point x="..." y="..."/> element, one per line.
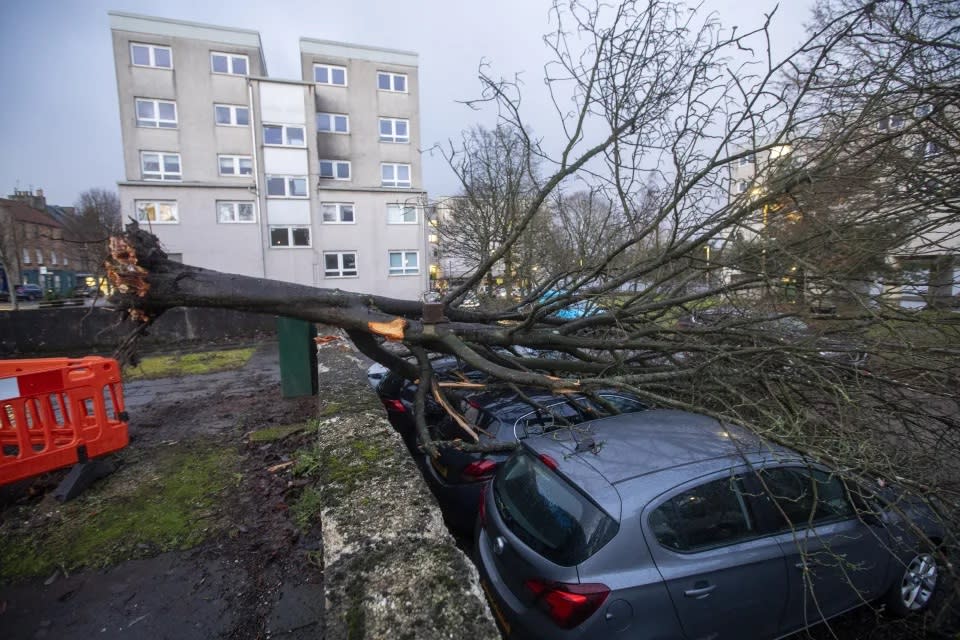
<point x="630" y="445"/>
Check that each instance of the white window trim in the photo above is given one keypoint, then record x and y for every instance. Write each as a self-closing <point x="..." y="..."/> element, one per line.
<point x="339" y="209"/>
<point x="396" y="139"/>
<point x="335" y="163"/>
<point x="393" y="75"/>
<point x="404" y="268"/>
<point x="284" y="135"/>
<point x="163" y="173"/>
<point x="235" y="160"/>
<point x="235" y="208"/>
<point x="290" y="228"/>
<point x="153" y="55"/>
<point x="230" y="57"/>
<point x="416" y="213"/>
<point x="173" y="203"/>
<point x="156" y="110"/>
<point x="233" y="114"/>
<point x="26" y="256"/>
<point x="332" y="117"/>
<point x="340" y="269"/>
<point x="286" y="186"/>
<point x="330" y="67"/>
<point x="396" y="181"/>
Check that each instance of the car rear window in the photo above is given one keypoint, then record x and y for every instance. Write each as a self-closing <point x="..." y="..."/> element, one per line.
<point x="549" y="514"/>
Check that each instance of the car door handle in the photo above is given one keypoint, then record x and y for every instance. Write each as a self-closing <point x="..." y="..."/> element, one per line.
<point x="700" y="592"/>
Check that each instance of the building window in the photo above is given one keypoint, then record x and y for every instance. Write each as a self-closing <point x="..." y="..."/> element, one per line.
<point x="330" y="74"/>
<point x="235" y="212"/>
<point x="395" y="175"/>
<point x="53" y="257"/>
<point x="742" y="186"/>
<point x="157" y="212"/>
<point x="335" y="169"/>
<point x="229" y="115"/>
<point x="333" y="123"/>
<point x="748" y="159"/>
<point x="289" y="236"/>
<point x="26" y="256"/>
<point x="287" y="186"/>
<point x="235" y="165"/>
<point x="890" y="123"/>
<point x="401" y="214"/>
<point x="923" y="110"/>
<point x="394" y="130"/>
<point x="387" y="81"/>
<point x="284" y="135"/>
<point x="156" y="113"/>
<point x="39" y="256"/>
<point x="404" y="263"/>
<point x="337" y="212"/>
<point x="160" y="166"/>
<point x="151" y="55"/>
<point x="340" y="264"/>
<point x="232" y="64"/>
<point x="928" y="149"/>
<point x="66" y="261"/>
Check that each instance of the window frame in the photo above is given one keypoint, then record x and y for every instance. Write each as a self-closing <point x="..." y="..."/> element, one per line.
<point x="403" y="207"/>
<point x="286" y="186"/>
<point x="290" y="237"/>
<point x="230" y="58"/>
<point x="233" y="114"/>
<point x="339" y="273"/>
<point x="396" y="182"/>
<point x="156" y="109"/>
<point x="333" y="117"/>
<point x="235" y="160"/>
<point x="393" y="75"/>
<point x="338" y="209"/>
<point x="928" y="149"/>
<point x="162" y="173"/>
<point x="173" y="203"/>
<point x="394" y="138"/>
<point x="330" y="68"/>
<point x="235" y="209"/>
<point x="284" y="135"/>
<point x="333" y="166"/>
<point x="404" y="269"/>
<point x="152" y="55"/>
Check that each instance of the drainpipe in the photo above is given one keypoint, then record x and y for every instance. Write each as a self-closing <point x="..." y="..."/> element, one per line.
<point x="256" y="176"/>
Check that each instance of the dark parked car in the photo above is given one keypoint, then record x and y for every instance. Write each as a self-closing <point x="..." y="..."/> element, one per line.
<point x="667" y="524"/>
<point x="457" y="477"/>
<point x="28" y="292"/>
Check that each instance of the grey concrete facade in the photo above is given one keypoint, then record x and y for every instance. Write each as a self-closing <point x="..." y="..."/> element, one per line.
<point x="232" y="170"/>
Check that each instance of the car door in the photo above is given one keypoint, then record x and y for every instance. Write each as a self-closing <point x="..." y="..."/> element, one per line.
<point x="726" y="579"/>
<point x="835" y="561"/>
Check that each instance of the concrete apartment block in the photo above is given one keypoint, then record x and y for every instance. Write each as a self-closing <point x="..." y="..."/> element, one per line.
<point x="314" y="180"/>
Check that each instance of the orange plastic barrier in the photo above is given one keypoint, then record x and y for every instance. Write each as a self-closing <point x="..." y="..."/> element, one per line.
<point x="55" y="412"/>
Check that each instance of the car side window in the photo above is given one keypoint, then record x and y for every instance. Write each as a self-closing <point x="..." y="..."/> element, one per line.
<point x="803" y="496"/>
<point x="709" y="515"/>
<point x="624" y="405"/>
<point x="542" y="420"/>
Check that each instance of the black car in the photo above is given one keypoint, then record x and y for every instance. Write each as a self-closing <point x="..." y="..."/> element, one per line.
<point x="504" y="417"/>
<point x="28" y="292"/>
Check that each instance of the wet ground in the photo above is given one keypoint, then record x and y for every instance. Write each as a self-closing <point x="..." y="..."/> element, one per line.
<point x="257" y="578"/>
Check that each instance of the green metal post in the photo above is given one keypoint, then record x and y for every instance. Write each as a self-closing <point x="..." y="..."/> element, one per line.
<point x="298" y="357"/>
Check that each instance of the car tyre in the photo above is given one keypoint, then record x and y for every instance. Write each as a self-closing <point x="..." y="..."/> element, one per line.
<point x="915" y="587"/>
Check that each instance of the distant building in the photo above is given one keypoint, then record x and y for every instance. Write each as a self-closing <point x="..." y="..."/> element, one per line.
<point x="315" y="180"/>
<point x="35" y="247"/>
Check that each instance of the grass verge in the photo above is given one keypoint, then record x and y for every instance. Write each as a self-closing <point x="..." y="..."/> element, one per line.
<point x="188" y="364"/>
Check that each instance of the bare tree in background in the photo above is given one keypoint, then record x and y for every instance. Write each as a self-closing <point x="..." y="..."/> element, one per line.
<point x="658" y="104"/>
<point x="10" y="251"/>
<point x="97" y="217"/>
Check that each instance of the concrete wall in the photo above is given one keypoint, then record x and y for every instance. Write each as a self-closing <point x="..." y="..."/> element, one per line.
<point x="80" y="331"/>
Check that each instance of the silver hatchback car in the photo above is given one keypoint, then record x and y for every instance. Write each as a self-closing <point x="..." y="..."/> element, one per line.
<point x="666" y="524"/>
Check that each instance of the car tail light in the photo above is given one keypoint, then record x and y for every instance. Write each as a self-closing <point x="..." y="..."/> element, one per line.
<point x="547" y="460"/>
<point x="480" y="469"/>
<point x="483" y="508"/>
<point x="473" y="402"/>
<point x="568" y="604"/>
<point x="392" y="404"/>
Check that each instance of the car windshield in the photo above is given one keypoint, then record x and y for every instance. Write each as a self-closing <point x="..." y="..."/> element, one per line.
<point x="547" y="513"/>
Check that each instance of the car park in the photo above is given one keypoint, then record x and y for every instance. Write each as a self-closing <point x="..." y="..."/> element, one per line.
<point x="503" y="417"/>
<point x="667" y="524"/>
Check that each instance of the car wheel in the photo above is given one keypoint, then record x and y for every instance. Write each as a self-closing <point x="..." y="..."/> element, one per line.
<point x="913" y="591"/>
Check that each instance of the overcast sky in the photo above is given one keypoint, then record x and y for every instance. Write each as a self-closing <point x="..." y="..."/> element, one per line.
<point x="58" y="95"/>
